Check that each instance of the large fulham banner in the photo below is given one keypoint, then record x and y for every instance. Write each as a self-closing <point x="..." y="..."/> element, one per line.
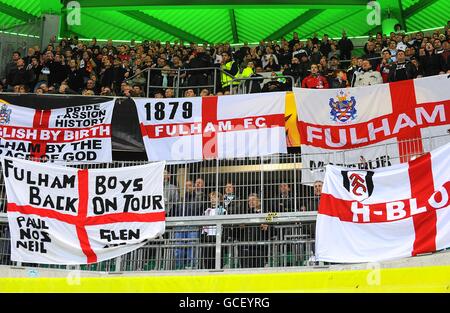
<point x="61" y="215"/>
<point x="392" y="212"/>
<point x="213" y="127"/>
<point x="77" y="134"/>
<point x="374" y="126"/>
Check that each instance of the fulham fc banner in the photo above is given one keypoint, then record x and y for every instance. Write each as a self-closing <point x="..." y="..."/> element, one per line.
<point x="60" y="215"/>
<point x="213" y="127"/>
<point x="392" y="212"/>
<point x="374" y="126"/>
<point x="77" y="134"/>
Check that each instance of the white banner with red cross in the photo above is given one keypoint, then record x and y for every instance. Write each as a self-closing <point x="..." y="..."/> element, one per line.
<point x="61" y="215"/>
<point x="77" y="134"/>
<point x="213" y="127"/>
<point x="392" y="212"/>
<point x="371" y="127"/>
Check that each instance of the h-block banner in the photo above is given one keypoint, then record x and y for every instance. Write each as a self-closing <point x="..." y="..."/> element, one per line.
<point x="79" y="134"/>
<point x="213" y="127"/>
<point x="373" y="126"/>
<point x="61" y="215"/>
<point x="393" y="212"/>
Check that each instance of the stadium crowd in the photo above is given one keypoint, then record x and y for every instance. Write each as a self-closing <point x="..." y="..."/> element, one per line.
<point x="71" y="66"/>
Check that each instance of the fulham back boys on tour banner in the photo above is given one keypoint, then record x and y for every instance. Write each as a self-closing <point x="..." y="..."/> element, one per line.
<point x="62" y="215"/>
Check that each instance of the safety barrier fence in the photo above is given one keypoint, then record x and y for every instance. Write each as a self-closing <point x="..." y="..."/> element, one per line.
<point x="224" y="242"/>
<point x="268" y="212"/>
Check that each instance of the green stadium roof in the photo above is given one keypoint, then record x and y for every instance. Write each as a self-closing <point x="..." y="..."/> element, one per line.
<point x="234" y="21"/>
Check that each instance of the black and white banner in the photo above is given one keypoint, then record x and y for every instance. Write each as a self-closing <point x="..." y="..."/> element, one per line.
<point x="61" y="215"/>
<point x="74" y="134"/>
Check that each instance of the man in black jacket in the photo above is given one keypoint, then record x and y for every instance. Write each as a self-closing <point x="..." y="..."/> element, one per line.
<point x="345" y="47"/>
<point x="402" y="69"/>
<point x="20" y="75"/>
<point x="75" y="79"/>
<point x="200" y="60"/>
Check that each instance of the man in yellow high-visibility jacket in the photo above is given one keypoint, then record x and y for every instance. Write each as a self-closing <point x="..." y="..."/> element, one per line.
<point x="230" y="70"/>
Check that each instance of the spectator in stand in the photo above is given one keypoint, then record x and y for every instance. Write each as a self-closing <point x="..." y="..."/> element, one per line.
<point x="231" y="70"/>
<point x="325" y="45"/>
<point x="75" y="77"/>
<point x="402" y="69"/>
<point x="199" y="60"/>
<point x="385" y="66"/>
<point x="137" y="91"/>
<point x="315" y="80"/>
<point x="12" y="66"/>
<point x="295" y="40"/>
<point x="119" y="75"/>
<point x="345" y="46"/>
<point x="275" y="84"/>
<point x="169" y="93"/>
<point x="189" y="93"/>
<point x="433" y="64"/>
<point x="171" y="195"/>
<point x="204" y="92"/>
<point x="339" y="80"/>
<point x="284" y="200"/>
<point x="272" y="65"/>
<point x="393" y="50"/>
<point x="36" y="68"/>
<point x="293" y="69"/>
<point x="367" y="77"/>
<point x="19" y="75"/>
<point x="315" y="55"/>
<point x="59" y="71"/>
<point x="334" y="53"/>
<point x="209" y="232"/>
<point x="371" y="55"/>
<point x="231" y="201"/>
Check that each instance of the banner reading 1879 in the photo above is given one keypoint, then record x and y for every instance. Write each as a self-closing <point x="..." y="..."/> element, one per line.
<point x="72" y="134"/>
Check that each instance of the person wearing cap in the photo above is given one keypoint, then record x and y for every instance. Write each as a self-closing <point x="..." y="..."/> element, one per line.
<point x="402" y="69"/>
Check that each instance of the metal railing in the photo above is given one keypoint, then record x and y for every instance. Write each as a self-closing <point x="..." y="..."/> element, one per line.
<point x="236" y="243"/>
<point x="180" y="79"/>
<point x="270" y="212"/>
<point x="245" y="85"/>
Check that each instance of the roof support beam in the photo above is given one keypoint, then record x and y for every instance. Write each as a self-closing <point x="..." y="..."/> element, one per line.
<point x="230" y="4"/>
<point x="417" y="7"/>
<point x="233" y="26"/>
<point x="111" y="23"/>
<point x="163" y="26"/>
<point x="294" y="24"/>
<point x="16" y="13"/>
<point x="401" y="15"/>
<point x="333" y="22"/>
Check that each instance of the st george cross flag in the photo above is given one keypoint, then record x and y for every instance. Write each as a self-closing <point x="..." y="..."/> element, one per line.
<point x="61" y="215"/>
<point x="213" y="127"/>
<point x="372" y="126"/>
<point x="77" y="134"/>
<point x="392" y="212"/>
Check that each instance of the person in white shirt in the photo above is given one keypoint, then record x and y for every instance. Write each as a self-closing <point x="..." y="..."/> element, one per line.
<point x="209" y="232"/>
<point x="368" y="77"/>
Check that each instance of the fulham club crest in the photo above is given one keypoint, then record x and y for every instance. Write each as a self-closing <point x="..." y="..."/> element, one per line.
<point x="358" y="183"/>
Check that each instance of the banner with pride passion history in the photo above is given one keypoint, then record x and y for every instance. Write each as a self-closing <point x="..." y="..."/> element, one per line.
<point x="61" y="215"/>
<point x="392" y="212"/>
<point x="213" y="127"/>
<point x="72" y="134"/>
<point x="374" y="126"/>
